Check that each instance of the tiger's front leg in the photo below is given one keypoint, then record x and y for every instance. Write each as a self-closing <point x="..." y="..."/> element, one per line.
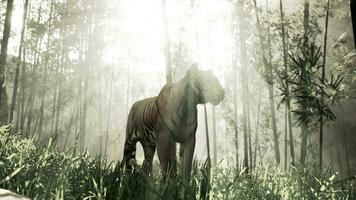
<point x="186" y="156"/>
<point x="166" y="150"/>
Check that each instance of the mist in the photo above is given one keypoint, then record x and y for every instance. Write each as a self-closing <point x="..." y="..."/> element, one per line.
<point x="73" y="70"/>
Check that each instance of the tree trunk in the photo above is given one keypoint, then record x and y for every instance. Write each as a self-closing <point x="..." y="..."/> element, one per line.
<point x="346" y="149"/>
<point x="100" y="116"/>
<point x="84" y="110"/>
<point x="59" y="100"/>
<point x="17" y="72"/>
<point x="89" y="60"/>
<point x="23" y="92"/>
<point x="70" y="124"/>
<point x="215" y="154"/>
<point x="285" y="137"/>
<point x="304" y="129"/>
<point x="235" y="71"/>
<point x="84" y="114"/>
<point x="323" y="80"/>
<point x="54" y="100"/>
<point x="245" y="128"/>
<point x="207" y="164"/>
<point x="18" y="113"/>
<point x="287" y="103"/>
<point x="304" y="143"/>
<point x="257" y="148"/>
<point x="35" y="125"/>
<point x="236" y="117"/>
<point x="3" y="57"/>
<point x="112" y="82"/>
<point x="306" y="22"/>
<point x="215" y="150"/>
<point x="274" y="123"/>
<point x="248" y="109"/>
<point x="268" y="72"/>
<point x="207" y="132"/>
<point x="32" y="95"/>
<point x="243" y="64"/>
<point x="353" y="16"/>
<point x="43" y="93"/>
<point x="79" y="112"/>
<point x="44" y="78"/>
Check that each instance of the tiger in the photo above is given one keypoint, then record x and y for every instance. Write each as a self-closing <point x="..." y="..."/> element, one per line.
<point x="171" y="117"/>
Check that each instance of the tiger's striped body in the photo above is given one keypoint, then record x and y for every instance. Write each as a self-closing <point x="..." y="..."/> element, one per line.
<point x="143" y="120"/>
<point x="141" y="126"/>
<point x="168" y="118"/>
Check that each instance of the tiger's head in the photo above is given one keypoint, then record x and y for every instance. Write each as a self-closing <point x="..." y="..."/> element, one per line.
<point x="205" y="85"/>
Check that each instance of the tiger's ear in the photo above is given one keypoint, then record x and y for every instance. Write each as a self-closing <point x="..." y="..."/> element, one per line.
<point x="193" y="70"/>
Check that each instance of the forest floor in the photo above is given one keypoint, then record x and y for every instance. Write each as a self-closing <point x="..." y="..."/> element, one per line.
<point x="48" y="173"/>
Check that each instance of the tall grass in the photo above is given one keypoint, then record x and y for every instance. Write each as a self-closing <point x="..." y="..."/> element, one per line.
<point x="47" y="173"/>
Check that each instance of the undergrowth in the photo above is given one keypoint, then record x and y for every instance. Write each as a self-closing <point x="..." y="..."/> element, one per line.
<point x="48" y="173"/>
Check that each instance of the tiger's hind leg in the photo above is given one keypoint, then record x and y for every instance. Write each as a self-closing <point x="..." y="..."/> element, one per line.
<point x="149" y="151"/>
<point x="129" y="153"/>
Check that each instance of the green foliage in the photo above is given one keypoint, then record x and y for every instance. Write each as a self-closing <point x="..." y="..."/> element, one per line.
<point x="313" y="96"/>
<point x="46" y="173"/>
